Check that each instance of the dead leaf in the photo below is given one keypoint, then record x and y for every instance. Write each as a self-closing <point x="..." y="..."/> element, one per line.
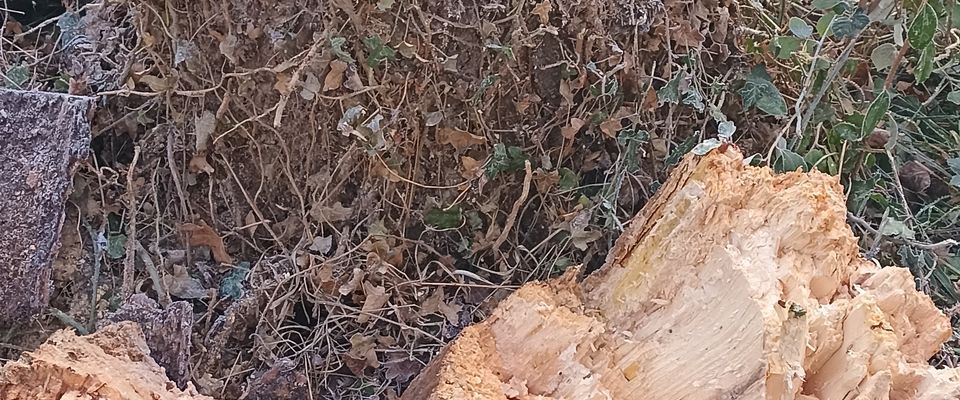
<point x="376" y="297"/>
<point x="333" y="213"/>
<point x="458" y="138"/>
<point x="570" y="131"/>
<point x="433" y="118"/>
<point x="451" y="312"/>
<point x="364" y="348"/>
<point x="203" y="126"/>
<point x="334" y="78"/>
<point x="566" y="91"/>
<point x="450" y="64"/>
<point x="353" y="81"/>
<point x="309" y="87"/>
<point x="250" y="220"/>
<point x="182" y="285"/>
<point x="579" y="233"/>
<point x="401" y="368"/>
<point x="471" y="167"/>
<point x="283" y="83"/>
<point x="156" y="84"/>
<point x="611" y="127"/>
<point x="204" y="235"/>
<point x="406" y="50"/>
<point x="198" y="164"/>
<point x="542" y="10"/>
<point x="353" y="283"/>
<point x="544" y="180"/>
<point x="228" y="47"/>
<point x="322" y="244"/>
<point x="432" y="304"/>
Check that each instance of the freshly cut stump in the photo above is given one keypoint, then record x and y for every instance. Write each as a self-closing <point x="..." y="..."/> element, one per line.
<point x="42" y="138"/>
<point x="732" y="283"/>
<point x="112" y="364"/>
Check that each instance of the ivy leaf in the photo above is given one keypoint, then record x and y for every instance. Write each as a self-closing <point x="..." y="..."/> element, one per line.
<point x="705" y="146"/>
<point x="568" y="179"/>
<point x="788" y="161"/>
<point x="882" y="56"/>
<point x="760" y="92"/>
<point x="17" y="77"/>
<point x="784" y="46"/>
<point x="448" y="218"/>
<point x="846" y="131"/>
<point x="954" y="97"/>
<point x="670" y="93"/>
<point x="924" y="64"/>
<point x="800" y="28"/>
<point x="922" y="28"/>
<point x="117" y="246"/>
<point x="825" y="4"/>
<point x="336" y="44"/>
<point x="844" y="26"/>
<point x="878" y="108"/>
<point x="379" y="52"/>
<point x="505" y="159"/>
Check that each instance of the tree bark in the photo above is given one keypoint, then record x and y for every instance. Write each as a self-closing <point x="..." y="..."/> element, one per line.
<point x="733" y="282"/>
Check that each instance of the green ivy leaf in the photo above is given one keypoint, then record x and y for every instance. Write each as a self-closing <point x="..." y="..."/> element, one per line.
<point x="923" y="27"/>
<point x="670" y="93"/>
<point x="117" y="246"/>
<point x="231" y="287"/>
<point x="788" y="161"/>
<point x="17" y="77"/>
<point x="379" y="52"/>
<point x="568" y="179"/>
<point x="878" y="108"/>
<point x="448" y="218"/>
<point x="954" y="97"/>
<point x="844" y="26"/>
<point x="800" y="28"/>
<point x="825" y="4"/>
<point x="505" y="159"/>
<point x="784" y="46"/>
<point x="846" y="131"/>
<point x="336" y="44"/>
<point x="760" y="92"/>
<point x="924" y="64"/>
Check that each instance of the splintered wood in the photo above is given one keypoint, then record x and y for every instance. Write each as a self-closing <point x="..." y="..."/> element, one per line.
<point x="112" y="364"/>
<point x="732" y="283"/>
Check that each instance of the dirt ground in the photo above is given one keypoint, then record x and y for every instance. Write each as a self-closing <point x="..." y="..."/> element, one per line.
<point x="338" y="188"/>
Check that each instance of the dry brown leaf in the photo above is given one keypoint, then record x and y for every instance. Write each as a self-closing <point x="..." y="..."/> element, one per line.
<point x="203" y="126"/>
<point x="322" y="244"/>
<point x="198" y="164"/>
<point x="156" y="84"/>
<point x="544" y="180"/>
<point x="353" y="81"/>
<point x="542" y="10"/>
<point x="283" y="83"/>
<point x="182" y="285"/>
<point x="364" y="348"/>
<point x="376" y="297"/>
<point x="611" y="127"/>
<point x="334" y="78"/>
<point x="353" y="283"/>
<point x="471" y="167"/>
<point x="451" y="312"/>
<point x="432" y="304"/>
<point x="309" y="87"/>
<point x="333" y="213"/>
<point x="458" y="138"/>
<point x="579" y="233"/>
<point x="570" y="131"/>
<point x="204" y="235"/>
<point x="566" y="92"/>
<point x="228" y="47"/>
<point x="250" y="220"/>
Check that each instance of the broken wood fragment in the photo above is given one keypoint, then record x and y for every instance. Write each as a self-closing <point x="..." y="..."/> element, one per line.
<point x="112" y="364"/>
<point x="43" y="136"/>
<point x="733" y="282"/>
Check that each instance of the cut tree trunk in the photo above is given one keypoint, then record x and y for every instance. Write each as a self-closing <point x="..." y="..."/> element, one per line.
<point x="43" y="136"/>
<point x="732" y="283"/>
<point x="112" y="364"/>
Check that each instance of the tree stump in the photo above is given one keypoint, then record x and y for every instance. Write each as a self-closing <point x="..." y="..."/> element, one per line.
<point x="732" y="283"/>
